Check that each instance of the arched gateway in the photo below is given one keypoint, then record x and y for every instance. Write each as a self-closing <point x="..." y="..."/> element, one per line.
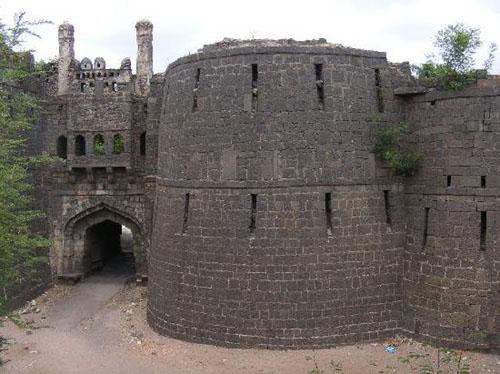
<point x="93" y="236"/>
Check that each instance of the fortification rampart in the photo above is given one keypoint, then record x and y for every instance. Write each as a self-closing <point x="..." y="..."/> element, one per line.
<point x="273" y="226"/>
<point x="260" y="213"/>
<point x="452" y="257"/>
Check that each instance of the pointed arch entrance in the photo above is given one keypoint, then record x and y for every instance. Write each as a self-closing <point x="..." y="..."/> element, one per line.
<point x="95" y="235"/>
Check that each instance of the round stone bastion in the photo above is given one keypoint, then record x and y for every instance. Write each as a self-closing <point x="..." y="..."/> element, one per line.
<point x="274" y="226"/>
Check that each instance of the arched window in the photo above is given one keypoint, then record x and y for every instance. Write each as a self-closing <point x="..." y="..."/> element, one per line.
<point x="62" y="147"/>
<point x="142" y="146"/>
<point x="79" y="145"/>
<point x="118" y="144"/>
<point x="99" y="146"/>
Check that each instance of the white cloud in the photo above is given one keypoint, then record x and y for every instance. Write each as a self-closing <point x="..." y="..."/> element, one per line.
<point x="404" y="29"/>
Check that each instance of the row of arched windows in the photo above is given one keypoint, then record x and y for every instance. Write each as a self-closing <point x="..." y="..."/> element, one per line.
<point x="83" y="86"/>
<point x="99" y="147"/>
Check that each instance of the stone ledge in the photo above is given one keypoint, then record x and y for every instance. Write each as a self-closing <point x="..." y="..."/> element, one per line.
<point x="410" y="91"/>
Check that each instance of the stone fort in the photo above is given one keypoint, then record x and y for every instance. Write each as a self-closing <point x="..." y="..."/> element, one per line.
<point x="259" y="213"/>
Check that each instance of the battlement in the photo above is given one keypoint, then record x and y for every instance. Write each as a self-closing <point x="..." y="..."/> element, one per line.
<point x="235" y="47"/>
<point x="85" y="68"/>
<point x="70" y="69"/>
<point x="240" y="43"/>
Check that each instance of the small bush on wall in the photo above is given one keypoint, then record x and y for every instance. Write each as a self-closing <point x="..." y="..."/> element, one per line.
<point x="390" y="149"/>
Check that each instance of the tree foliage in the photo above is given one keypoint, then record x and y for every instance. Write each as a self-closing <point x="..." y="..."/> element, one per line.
<point x="390" y="149"/>
<point x="118" y="144"/>
<point x="19" y="111"/>
<point x="457" y="45"/>
<point x="99" y="145"/>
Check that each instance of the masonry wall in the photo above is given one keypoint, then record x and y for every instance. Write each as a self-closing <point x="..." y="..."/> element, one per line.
<point x="249" y="169"/>
<point x="452" y="261"/>
<point x="82" y="102"/>
<point x="97" y="110"/>
<point x="91" y="186"/>
<point x="279" y="269"/>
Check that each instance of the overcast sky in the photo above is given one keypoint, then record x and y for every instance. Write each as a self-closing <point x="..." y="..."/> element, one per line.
<point x="403" y="29"/>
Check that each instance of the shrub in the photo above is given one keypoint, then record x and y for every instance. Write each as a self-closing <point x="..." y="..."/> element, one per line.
<point x="99" y="147"/>
<point x="118" y="144"/>
<point x="389" y="149"/>
<point x="19" y="258"/>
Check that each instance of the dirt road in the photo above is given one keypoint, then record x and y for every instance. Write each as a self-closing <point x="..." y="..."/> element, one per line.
<point x="98" y="326"/>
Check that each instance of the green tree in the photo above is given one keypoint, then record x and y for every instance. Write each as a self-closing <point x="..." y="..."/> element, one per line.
<point x="457" y="45"/>
<point x="118" y="144"/>
<point x="390" y="148"/>
<point x="19" y="110"/>
<point x="99" y="146"/>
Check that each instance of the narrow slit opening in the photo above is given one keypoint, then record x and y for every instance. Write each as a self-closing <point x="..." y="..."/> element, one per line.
<point x="186" y="213"/>
<point x="197" y="79"/>
<point x="320" y="85"/>
<point x="255" y="92"/>
<point x="380" y="92"/>
<point x="318" y="68"/>
<point x="448" y="181"/>
<point x="195" y="89"/>
<point x="253" y="213"/>
<point x="484" y="225"/>
<point x="387" y="206"/>
<point x="426" y="226"/>
<point x="142" y="144"/>
<point x="255" y="75"/>
<point x="483" y="181"/>
<point x="328" y="213"/>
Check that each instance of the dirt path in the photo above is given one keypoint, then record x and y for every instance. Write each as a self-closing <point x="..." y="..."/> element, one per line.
<point x="98" y="326"/>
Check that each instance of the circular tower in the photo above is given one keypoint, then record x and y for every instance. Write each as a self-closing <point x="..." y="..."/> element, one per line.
<point x="272" y="226"/>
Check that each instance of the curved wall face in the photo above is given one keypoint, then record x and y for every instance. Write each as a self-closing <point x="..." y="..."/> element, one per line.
<point x="452" y="259"/>
<point x="217" y="127"/>
<point x="272" y="227"/>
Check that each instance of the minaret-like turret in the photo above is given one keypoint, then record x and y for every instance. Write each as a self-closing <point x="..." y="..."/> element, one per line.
<point x="144" y="32"/>
<point x="66" y="56"/>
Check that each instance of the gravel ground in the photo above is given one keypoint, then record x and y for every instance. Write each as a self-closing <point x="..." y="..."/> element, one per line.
<point x="98" y="326"/>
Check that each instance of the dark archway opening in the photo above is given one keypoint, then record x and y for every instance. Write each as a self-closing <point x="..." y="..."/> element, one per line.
<point x="62" y="147"/>
<point x="142" y="144"/>
<point x="79" y="145"/>
<point x="109" y="246"/>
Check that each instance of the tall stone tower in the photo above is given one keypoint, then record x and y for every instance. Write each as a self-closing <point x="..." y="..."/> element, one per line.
<point x="144" y="32"/>
<point x="66" y="56"/>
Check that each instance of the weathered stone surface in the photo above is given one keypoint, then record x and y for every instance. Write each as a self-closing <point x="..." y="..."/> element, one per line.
<point x="260" y="213"/>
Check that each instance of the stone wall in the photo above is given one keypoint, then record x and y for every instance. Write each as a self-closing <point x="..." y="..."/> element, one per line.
<point x="452" y="258"/>
<point x="272" y="227"/>
<point x="249" y="182"/>
<point x="86" y="187"/>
